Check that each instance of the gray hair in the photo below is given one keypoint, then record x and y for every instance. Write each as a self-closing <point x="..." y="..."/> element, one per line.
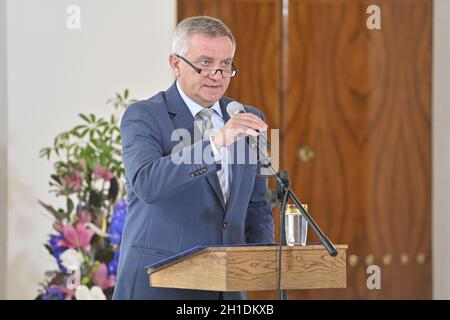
<point x="209" y="26"/>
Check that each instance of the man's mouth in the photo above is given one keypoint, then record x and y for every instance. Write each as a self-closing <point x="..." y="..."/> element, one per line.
<point x="212" y="86"/>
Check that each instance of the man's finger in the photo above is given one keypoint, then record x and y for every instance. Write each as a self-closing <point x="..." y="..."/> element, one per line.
<point x="252" y="124"/>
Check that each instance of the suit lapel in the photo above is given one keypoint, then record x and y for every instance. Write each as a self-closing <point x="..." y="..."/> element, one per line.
<point x="182" y="118"/>
<point x="179" y="112"/>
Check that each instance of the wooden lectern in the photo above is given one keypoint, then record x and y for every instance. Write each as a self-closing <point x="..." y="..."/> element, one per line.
<point x="249" y="268"/>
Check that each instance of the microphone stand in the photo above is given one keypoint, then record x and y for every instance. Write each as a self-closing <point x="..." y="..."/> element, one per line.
<point x="282" y="193"/>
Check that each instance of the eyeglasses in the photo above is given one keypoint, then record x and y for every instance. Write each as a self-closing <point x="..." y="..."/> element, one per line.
<point x="226" y="73"/>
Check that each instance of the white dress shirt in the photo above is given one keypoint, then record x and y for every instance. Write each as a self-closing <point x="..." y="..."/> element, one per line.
<point x="217" y="122"/>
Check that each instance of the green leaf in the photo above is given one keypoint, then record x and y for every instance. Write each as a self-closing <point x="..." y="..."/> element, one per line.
<point x="104" y="159"/>
<point x="92" y="117"/>
<point x="76" y="131"/>
<point x="69" y="205"/>
<point x="83" y="134"/>
<point x="102" y="124"/>
<point x="91" y="163"/>
<point x="49" y="248"/>
<point x="85" y="118"/>
<point x="55" y="178"/>
<point x="125" y="95"/>
<point x="98" y="133"/>
<point x="45" y="152"/>
<point x="79" y="127"/>
<point x="58" y="214"/>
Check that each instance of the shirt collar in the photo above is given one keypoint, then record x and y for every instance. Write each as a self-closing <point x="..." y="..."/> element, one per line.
<point x="194" y="107"/>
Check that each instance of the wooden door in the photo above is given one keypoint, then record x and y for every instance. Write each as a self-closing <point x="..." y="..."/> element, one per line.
<point x="359" y="100"/>
<point x="354" y="109"/>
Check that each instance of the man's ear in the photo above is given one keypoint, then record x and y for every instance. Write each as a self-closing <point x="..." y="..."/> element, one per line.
<point x="174" y="64"/>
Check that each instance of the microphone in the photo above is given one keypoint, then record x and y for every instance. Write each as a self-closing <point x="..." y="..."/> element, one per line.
<point x="234" y="108"/>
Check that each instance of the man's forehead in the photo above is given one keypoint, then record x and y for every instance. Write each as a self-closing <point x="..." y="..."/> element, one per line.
<point x="211" y="47"/>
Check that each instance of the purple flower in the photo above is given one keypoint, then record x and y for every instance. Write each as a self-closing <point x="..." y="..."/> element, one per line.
<point x="112" y="265"/>
<point x="57" y="250"/>
<point x="121" y="208"/>
<point x="53" y="293"/>
<point x="117" y="222"/>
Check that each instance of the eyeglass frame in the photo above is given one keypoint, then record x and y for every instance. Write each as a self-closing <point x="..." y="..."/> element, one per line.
<point x="199" y="70"/>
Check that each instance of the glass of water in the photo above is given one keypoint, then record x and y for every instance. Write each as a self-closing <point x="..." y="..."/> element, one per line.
<point x="296" y="225"/>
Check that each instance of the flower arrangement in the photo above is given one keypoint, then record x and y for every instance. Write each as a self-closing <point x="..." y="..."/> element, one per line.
<point x="88" y="177"/>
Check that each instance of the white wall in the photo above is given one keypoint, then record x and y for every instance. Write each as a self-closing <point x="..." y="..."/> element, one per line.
<point x="441" y="150"/>
<point x="3" y="148"/>
<point x="54" y="74"/>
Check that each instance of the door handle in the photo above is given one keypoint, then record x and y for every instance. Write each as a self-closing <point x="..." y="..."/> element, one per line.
<point x="305" y="154"/>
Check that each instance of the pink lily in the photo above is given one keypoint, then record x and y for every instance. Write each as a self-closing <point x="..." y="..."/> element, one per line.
<point x="102" y="173"/>
<point x="79" y="237"/>
<point x="58" y="226"/>
<point x="102" y="279"/>
<point x="74" y="181"/>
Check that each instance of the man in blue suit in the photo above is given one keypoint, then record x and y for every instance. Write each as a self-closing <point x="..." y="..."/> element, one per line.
<point x="177" y="201"/>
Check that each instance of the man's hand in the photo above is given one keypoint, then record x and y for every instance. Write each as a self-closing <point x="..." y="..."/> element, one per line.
<point x="239" y="125"/>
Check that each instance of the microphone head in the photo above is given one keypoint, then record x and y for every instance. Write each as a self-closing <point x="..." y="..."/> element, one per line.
<point x="235" y="107"/>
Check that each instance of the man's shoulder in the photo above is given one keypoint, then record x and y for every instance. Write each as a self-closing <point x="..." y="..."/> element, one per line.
<point x="154" y="107"/>
<point x="150" y="105"/>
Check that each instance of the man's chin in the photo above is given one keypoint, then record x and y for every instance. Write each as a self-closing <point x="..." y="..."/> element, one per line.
<point x="211" y="99"/>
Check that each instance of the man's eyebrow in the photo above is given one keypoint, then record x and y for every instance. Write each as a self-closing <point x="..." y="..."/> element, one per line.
<point x="206" y="57"/>
<point x="211" y="58"/>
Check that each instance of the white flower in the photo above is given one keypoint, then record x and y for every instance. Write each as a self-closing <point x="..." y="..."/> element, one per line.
<point x="71" y="259"/>
<point x="83" y="293"/>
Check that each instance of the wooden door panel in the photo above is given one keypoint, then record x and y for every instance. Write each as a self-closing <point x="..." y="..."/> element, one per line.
<point x="360" y="100"/>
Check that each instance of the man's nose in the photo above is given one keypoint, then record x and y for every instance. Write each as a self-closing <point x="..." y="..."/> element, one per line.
<point x="217" y="75"/>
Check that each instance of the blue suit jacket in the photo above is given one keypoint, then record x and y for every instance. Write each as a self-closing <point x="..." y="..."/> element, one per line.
<point x="174" y="207"/>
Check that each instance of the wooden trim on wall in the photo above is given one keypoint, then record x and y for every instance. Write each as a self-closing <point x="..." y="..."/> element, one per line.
<point x="284" y="74"/>
<point x="440" y="150"/>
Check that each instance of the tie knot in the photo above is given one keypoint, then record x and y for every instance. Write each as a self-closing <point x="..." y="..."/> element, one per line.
<point x="205" y="113"/>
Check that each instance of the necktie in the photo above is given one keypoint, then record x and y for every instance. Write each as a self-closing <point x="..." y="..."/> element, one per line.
<point x="205" y="116"/>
